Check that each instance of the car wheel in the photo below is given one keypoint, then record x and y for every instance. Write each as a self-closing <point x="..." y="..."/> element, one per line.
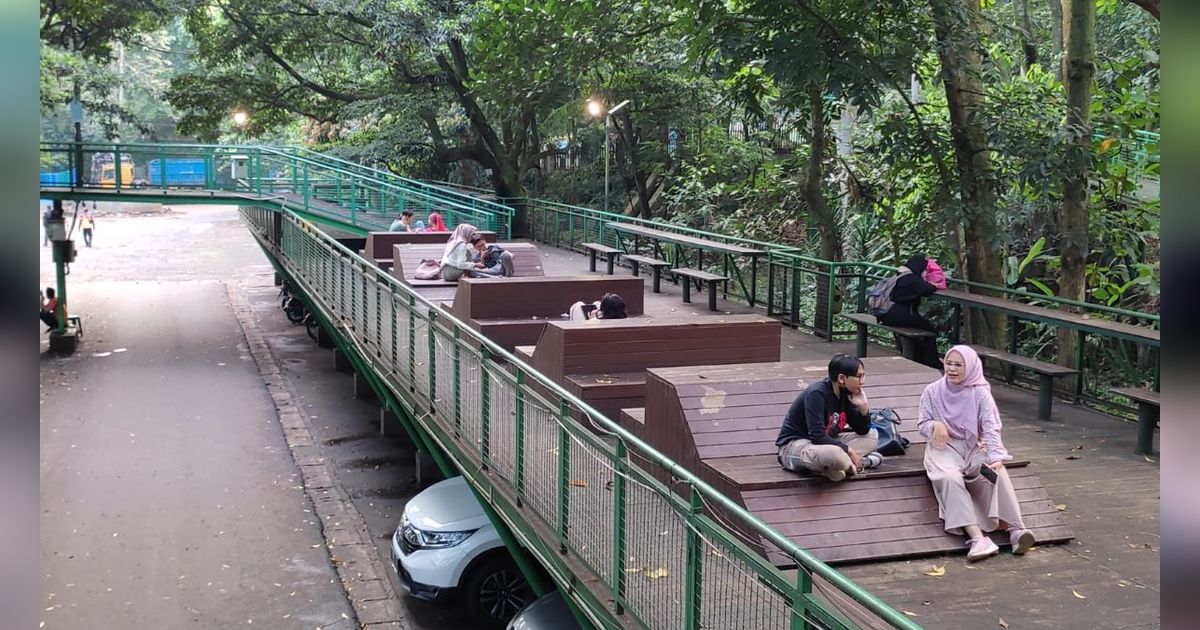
<point x="496" y="591"/>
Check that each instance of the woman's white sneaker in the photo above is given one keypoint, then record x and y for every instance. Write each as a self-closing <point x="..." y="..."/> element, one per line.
<point x="981" y="548"/>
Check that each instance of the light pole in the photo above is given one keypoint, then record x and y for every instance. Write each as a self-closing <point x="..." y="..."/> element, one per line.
<point x="595" y="107"/>
<point x="240" y="118"/>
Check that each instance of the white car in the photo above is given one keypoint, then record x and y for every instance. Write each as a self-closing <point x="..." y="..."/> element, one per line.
<point x="445" y="545"/>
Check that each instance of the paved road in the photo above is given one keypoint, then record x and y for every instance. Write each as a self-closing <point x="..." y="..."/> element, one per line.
<point x="169" y="495"/>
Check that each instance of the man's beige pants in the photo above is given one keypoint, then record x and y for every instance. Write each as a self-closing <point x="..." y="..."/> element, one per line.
<point x="826" y="459"/>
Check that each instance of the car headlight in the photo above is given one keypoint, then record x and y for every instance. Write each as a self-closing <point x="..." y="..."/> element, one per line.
<point x="440" y="540"/>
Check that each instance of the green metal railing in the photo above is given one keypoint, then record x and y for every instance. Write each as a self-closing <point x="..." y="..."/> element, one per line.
<point x="585" y="501"/>
<point x="1138" y="150"/>
<point x="302" y="179"/>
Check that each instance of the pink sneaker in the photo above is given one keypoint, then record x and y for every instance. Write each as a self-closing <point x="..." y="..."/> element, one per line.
<point x="1021" y="539"/>
<point x="981" y="548"/>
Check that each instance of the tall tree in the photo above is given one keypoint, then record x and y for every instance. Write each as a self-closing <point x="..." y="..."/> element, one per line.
<point x="957" y="28"/>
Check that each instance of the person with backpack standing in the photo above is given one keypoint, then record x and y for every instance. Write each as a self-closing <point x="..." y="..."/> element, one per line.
<point x="896" y="302"/>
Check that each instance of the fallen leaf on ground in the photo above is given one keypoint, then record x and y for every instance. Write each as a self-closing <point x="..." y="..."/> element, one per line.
<point x="605" y="381"/>
<point x="936" y="571"/>
<point x="909" y="613"/>
<point x="1077" y="594"/>
<point x="1003" y="623"/>
<point x="1061" y="507"/>
<point x="1148" y="458"/>
<point x="1039" y="430"/>
<point x="926" y="602"/>
<point x="579" y="483"/>
<point x="1077" y="447"/>
<point x="1074" y="456"/>
<point x="656" y="573"/>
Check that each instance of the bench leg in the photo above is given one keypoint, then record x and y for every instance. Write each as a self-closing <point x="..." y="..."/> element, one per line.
<point x="1147" y="419"/>
<point x="633" y="264"/>
<point x="591" y="260"/>
<point x="687" y="291"/>
<point x="860" y="344"/>
<point x="712" y="295"/>
<point x="1045" y="396"/>
<point x="656" y="278"/>
<point x="612" y="259"/>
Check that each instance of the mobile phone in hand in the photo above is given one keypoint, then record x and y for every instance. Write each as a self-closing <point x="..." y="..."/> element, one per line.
<point x="988" y="473"/>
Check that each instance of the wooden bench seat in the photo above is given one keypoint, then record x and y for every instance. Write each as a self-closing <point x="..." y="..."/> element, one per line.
<point x="527" y="261"/>
<point x="378" y="245"/>
<point x="864" y="320"/>
<point x="722" y="421"/>
<point x="1148" y="415"/>
<point x="610" y="255"/>
<point x="1046" y="372"/>
<point x="513" y="311"/>
<point x="711" y="279"/>
<point x="583" y="356"/>
<point x="656" y="266"/>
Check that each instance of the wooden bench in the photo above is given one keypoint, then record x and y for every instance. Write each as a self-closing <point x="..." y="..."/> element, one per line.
<point x="610" y="254"/>
<point x="513" y="311"/>
<point x="379" y="244"/>
<point x="907" y="335"/>
<point x="527" y="261"/>
<point x="712" y="279"/>
<point x="654" y="264"/>
<point x="721" y="422"/>
<point x="1148" y="415"/>
<point x="604" y="362"/>
<point x="1046" y="372"/>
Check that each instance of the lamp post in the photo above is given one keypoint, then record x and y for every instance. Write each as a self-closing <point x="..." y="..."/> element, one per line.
<point x="240" y="118"/>
<point x="596" y="108"/>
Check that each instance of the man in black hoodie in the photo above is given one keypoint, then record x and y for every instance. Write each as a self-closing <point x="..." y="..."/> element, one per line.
<point x="906" y="296"/>
<point x="828" y="430"/>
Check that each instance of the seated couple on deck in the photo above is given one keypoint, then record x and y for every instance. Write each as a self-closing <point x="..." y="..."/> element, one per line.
<point x="468" y="253"/>
<point x="611" y="306"/>
<point x="964" y="458"/>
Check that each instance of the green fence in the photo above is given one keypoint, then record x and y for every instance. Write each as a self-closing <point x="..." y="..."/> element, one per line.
<point x="809" y="293"/>
<point x="305" y="180"/>
<point x="582" y="498"/>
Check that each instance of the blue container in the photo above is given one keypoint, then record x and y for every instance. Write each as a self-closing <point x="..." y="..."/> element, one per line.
<point x="57" y="178"/>
<point x="180" y="172"/>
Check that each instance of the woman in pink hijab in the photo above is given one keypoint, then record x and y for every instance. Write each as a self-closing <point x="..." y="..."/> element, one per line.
<point x="965" y="457"/>
<point x="436" y="223"/>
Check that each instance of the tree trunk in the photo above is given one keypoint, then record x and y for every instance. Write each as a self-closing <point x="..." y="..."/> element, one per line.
<point x="641" y="200"/>
<point x="956" y="25"/>
<point x="1056" y="28"/>
<point x="819" y="210"/>
<point x="1079" y="68"/>
<point x="1027" y="44"/>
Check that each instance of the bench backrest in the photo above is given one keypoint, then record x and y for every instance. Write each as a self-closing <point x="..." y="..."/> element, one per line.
<point x="379" y="244"/>
<point x="527" y="260"/>
<point x="632" y="345"/>
<point x="547" y="296"/>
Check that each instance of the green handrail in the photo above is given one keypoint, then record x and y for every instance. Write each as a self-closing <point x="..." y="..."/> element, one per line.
<point x="389" y="339"/>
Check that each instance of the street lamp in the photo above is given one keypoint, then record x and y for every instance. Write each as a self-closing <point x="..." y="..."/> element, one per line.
<point x="240" y="118"/>
<point x="595" y="107"/>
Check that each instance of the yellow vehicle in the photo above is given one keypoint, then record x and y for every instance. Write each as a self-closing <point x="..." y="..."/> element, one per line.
<point x="104" y="172"/>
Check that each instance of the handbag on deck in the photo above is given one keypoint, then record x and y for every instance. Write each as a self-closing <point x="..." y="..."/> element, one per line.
<point x="428" y="270"/>
<point x="886" y="423"/>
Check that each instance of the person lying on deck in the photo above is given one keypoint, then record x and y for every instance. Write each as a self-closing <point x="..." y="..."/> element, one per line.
<point x="965" y="457"/>
<point x="611" y="306"/>
<point x="814" y="436"/>
<point x="491" y="260"/>
<point x="458" y="257"/>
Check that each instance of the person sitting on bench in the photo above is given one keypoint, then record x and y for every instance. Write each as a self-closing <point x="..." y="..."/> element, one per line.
<point x="814" y="436"/>
<point x="405" y="223"/>
<point x="965" y="457"/>
<point x="458" y="257"/>
<point x="906" y="296"/>
<point x="611" y="306"/>
<point x="491" y="260"/>
<point x="49" y="314"/>
<point x="436" y="223"/>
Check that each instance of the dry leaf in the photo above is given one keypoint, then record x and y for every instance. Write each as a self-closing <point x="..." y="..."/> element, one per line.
<point x="1077" y="594"/>
<point x="1078" y="447"/>
<point x="656" y="573"/>
<point x="1003" y="623"/>
<point x="1061" y="507"/>
<point x="909" y="613"/>
<point x="936" y="571"/>
<point x="605" y="381"/>
<point x="1074" y="456"/>
<point x="579" y="483"/>
<point x="1148" y="458"/>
